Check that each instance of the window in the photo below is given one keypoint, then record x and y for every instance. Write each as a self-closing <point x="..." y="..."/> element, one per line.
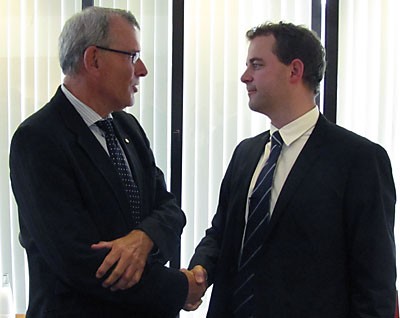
<point x="215" y="112"/>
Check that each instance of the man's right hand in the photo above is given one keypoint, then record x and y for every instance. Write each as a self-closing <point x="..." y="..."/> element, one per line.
<point x="197" y="278"/>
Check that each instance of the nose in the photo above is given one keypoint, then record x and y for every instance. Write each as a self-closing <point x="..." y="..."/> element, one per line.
<point x="246" y="77"/>
<point x="140" y="68"/>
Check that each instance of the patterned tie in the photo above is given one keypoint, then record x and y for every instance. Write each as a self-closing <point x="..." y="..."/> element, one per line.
<point x="119" y="163"/>
<point x="256" y="227"/>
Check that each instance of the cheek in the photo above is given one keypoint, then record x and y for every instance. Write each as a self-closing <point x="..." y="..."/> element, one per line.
<point x="262" y="83"/>
<point x="122" y="73"/>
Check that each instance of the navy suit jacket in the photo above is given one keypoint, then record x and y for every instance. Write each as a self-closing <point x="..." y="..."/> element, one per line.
<point x="69" y="196"/>
<point x="329" y="250"/>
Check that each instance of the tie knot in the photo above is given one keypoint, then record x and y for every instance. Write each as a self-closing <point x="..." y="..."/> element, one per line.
<point x="276" y="139"/>
<point x="106" y="125"/>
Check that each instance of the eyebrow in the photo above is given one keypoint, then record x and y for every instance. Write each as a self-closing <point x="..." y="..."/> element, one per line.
<point x="255" y="59"/>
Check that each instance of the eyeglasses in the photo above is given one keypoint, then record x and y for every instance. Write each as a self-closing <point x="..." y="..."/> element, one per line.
<point x="134" y="56"/>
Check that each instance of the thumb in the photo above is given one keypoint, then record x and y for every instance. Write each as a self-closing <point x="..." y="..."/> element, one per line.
<point x="200" y="274"/>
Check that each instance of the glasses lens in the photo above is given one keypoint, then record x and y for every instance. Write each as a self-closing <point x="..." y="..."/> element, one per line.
<point x="135" y="57"/>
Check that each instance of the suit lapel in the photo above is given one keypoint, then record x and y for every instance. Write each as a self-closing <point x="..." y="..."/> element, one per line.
<point x="247" y="157"/>
<point x="305" y="161"/>
<point x="90" y="145"/>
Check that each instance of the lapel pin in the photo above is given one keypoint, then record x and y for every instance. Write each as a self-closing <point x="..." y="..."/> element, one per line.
<point x="127" y="140"/>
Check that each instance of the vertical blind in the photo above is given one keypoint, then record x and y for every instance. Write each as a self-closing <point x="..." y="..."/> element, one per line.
<point x="152" y="102"/>
<point x="215" y="112"/>
<point x="29" y="75"/>
<point x="216" y="115"/>
<point x="369" y="75"/>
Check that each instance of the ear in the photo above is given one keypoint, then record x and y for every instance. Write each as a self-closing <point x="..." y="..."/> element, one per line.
<point x="296" y="70"/>
<point x="91" y="59"/>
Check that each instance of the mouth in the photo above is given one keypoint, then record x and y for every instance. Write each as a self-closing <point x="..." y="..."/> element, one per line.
<point x="134" y="88"/>
<point x="251" y="91"/>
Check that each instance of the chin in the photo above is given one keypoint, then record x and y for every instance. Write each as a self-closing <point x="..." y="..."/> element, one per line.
<point x="132" y="100"/>
<point x="253" y="107"/>
<point x="129" y="102"/>
<point x="256" y="108"/>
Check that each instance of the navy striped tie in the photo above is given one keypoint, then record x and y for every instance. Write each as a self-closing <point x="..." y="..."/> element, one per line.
<point x="256" y="227"/>
<point x="119" y="163"/>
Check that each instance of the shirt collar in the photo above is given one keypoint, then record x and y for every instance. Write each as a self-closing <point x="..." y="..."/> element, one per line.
<point x="295" y="129"/>
<point x="89" y="116"/>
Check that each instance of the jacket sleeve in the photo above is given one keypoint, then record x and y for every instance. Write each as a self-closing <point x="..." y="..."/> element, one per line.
<point x="369" y="214"/>
<point x="208" y="251"/>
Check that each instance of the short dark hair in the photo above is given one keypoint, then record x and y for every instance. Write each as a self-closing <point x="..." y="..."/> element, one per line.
<point x="296" y="42"/>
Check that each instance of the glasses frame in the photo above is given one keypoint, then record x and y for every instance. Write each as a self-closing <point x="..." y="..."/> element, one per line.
<point x="135" y="56"/>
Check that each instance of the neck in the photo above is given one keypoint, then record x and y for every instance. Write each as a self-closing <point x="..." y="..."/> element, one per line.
<point x="291" y="110"/>
<point x="86" y="93"/>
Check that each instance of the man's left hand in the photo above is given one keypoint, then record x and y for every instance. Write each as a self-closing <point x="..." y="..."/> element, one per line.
<point x="129" y="255"/>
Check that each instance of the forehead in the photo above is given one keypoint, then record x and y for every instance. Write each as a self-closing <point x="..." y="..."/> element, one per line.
<point x="261" y="45"/>
<point x="122" y="33"/>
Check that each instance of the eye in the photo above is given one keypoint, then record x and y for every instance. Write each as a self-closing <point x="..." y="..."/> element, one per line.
<point x="256" y="65"/>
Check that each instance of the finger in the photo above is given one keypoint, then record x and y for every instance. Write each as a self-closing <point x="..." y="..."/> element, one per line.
<point x="125" y="280"/>
<point x="127" y="267"/>
<point x="130" y="277"/>
<point x="115" y="275"/>
<point x="121" y="284"/>
<point x="136" y="277"/>
<point x="191" y="307"/>
<point x="184" y="270"/>
<point x="197" y="305"/>
<point x="101" y="245"/>
<point x="108" y="262"/>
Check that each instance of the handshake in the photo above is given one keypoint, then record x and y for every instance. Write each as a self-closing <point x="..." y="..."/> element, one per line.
<point x="197" y="278"/>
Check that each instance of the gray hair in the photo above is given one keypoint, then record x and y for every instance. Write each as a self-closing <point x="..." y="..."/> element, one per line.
<point x="86" y="28"/>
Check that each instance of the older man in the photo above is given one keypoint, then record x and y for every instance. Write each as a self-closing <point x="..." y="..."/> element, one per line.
<point x="96" y="218"/>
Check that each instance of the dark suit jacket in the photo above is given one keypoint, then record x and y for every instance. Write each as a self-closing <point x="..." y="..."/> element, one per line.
<point x="70" y="196"/>
<point x="329" y="250"/>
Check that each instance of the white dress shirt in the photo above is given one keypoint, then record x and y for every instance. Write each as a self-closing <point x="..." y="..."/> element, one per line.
<point x="90" y="117"/>
<point x="295" y="136"/>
